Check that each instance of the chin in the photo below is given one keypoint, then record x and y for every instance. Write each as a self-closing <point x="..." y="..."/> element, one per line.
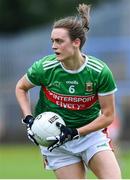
<point x="60" y="59"/>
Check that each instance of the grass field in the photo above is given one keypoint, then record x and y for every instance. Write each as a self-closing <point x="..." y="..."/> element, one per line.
<point x="25" y="162"/>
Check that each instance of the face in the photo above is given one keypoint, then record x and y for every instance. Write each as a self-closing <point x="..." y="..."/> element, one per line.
<point x="62" y="45"/>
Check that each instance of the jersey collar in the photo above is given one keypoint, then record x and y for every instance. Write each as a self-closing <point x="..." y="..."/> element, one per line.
<point x="78" y="70"/>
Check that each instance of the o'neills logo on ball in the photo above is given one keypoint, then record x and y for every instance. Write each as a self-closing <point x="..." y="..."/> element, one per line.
<point x="69" y="101"/>
<point x="53" y="119"/>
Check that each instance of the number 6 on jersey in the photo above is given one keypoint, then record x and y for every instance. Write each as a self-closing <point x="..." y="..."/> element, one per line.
<point x="71" y="89"/>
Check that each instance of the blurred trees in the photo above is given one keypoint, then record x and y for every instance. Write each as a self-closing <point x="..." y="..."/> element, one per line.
<point x="16" y="15"/>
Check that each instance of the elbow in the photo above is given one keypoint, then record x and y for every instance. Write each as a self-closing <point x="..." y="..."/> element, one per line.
<point x="109" y="118"/>
<point x="19" y="89"/>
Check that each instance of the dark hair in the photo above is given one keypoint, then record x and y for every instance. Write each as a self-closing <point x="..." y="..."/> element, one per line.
<point x="76" y="25"/>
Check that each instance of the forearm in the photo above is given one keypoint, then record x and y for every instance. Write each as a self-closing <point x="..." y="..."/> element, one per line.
<point x="99" y="123"/>
<point x="24" y="101"/>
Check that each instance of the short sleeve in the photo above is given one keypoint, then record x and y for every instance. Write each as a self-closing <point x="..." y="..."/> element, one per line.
<point x="106" y="82"/>
<point x="34" y="73"/>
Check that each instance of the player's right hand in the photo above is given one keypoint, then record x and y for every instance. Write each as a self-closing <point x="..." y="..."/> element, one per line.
<point x="28" y="120"/>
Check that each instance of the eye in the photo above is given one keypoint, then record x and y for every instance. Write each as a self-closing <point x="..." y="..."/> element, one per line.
<point x="52" y="40"/>
<point x="59" y="41"/>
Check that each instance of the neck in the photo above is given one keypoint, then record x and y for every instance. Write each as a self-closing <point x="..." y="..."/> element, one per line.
<point x="74" y="62"/>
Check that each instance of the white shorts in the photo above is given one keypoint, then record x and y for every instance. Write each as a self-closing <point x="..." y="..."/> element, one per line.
<point x="82" y="149"/>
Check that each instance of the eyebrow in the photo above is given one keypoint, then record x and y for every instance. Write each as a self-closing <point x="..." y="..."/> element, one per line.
<point x="56" y="39"/>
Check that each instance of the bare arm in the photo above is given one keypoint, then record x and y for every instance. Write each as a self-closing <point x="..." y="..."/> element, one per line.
<point x="22" y="96"/>
<point x="107" y="104"/>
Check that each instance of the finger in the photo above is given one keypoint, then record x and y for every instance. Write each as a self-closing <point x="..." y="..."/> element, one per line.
<point x="53" y="146"/>
<point x="59" y="125"/>
<point x="32" y="139"/>
<point x="53" y="138"/>
<point x="30" y="132"/>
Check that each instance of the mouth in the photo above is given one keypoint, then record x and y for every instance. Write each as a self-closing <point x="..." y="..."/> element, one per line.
<point x="57" y="53"/>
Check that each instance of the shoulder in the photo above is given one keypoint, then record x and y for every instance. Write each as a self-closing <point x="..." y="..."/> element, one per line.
<point x="37" y="71"/>
<point x="44" y="62"/>
<point x="38" y="66"/>
<point x="49" y="62"/>
<point x="96" y="60"/>
<point x="97" y="65"/>
<point x="47" y="59"/>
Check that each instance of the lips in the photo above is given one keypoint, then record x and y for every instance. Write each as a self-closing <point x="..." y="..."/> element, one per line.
<point x="57" y="53"/>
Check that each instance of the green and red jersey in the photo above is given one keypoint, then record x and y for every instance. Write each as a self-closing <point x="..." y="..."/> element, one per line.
<point x="71" y="94"/>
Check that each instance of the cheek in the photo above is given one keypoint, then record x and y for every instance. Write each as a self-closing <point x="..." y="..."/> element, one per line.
<point x="63" y="47"/>
<point x="66" y="48"/>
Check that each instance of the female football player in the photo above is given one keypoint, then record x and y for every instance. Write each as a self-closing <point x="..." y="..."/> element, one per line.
<point x="80" y="88"/>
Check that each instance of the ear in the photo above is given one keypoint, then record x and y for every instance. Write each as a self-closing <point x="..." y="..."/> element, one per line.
<point x="76" y="42"/>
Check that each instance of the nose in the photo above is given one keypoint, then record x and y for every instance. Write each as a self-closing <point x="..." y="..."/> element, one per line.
<point x="54" y="46"/>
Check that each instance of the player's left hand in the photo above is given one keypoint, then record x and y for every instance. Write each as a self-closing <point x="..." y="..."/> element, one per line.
<point x="28" y="121"/>
<point x="66" y="134"/>
<point x="31" y="136"/>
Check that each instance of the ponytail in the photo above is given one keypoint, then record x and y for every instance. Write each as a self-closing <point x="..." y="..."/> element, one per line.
<point x="84" y="13"/>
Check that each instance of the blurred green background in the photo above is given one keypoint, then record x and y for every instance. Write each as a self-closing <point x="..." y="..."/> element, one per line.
<point x="17" y="15"/>
<point x="25" y="162"/>
<point x="25" y="27"/>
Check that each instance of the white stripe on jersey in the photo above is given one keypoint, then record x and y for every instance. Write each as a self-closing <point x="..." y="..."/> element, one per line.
<point x="107" y="93"/>
<point x="49" y="63"/>
<point x="94" y="68"/>
<point x="52" y="66"/>
<point x="29" y="80"/>
<point x="94" y="65"/>
<point x="96" y="62"/>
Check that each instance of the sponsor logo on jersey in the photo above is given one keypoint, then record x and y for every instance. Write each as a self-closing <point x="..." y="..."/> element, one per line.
<point x="71" y="102"/>
<point x="72" y="82"/>
<point x="89" y="86"/>
<point x="56" y="84"/>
